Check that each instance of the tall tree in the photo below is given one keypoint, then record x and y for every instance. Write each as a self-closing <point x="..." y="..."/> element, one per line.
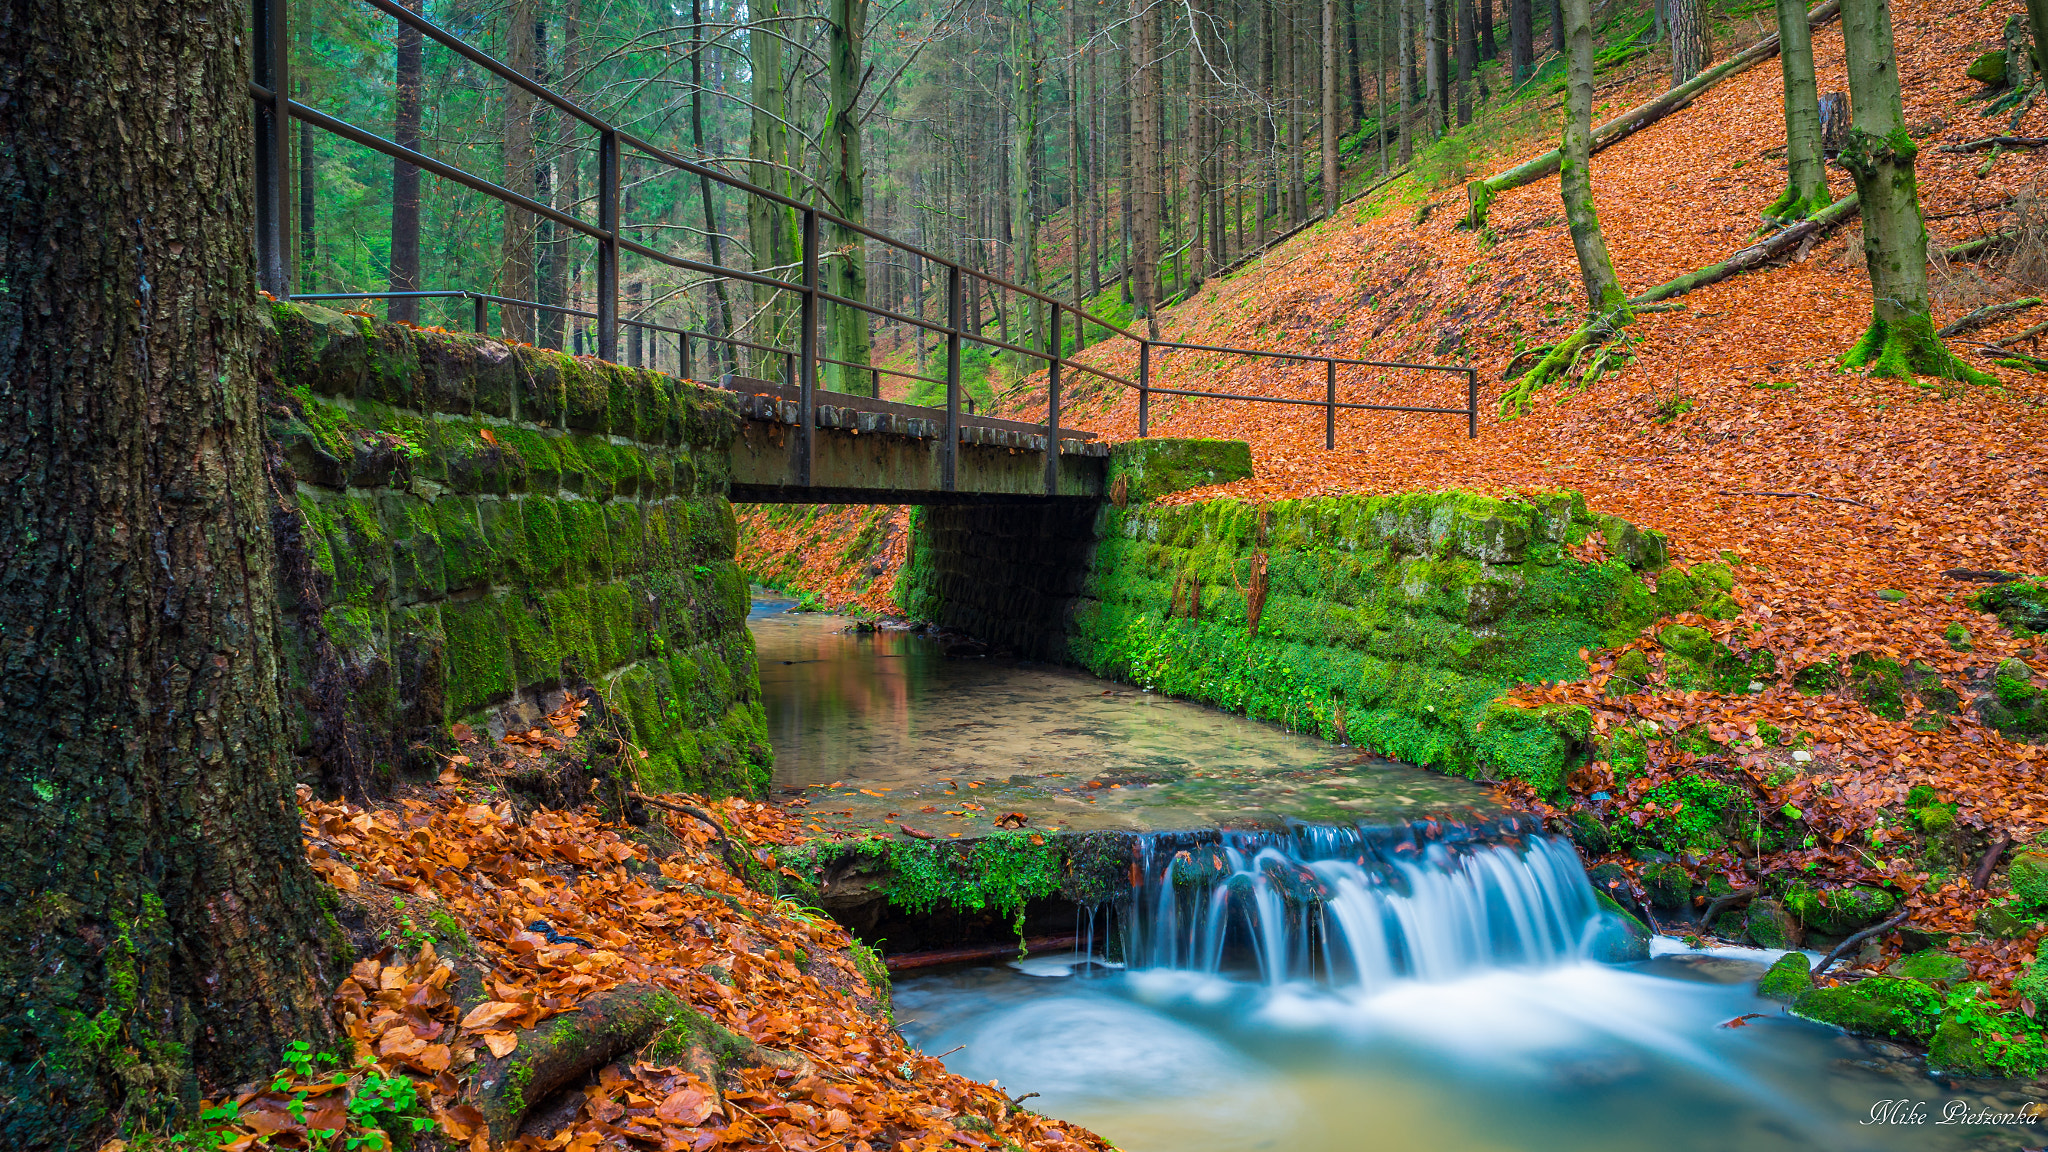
<point x="1468" y="51"/>
<point x="845" y="272"/>
<point x="1575" y="169"/>
<point x="515" y="272"/>
<point x="1900" y="340"/>
<point x="1027" y="58"/>
<point x="771" y="228"/>
<point x="1436" y="67"/>
<point x="1521" y="38"/>
<point x="1692" y="48"/>
<point x="1144" y="151"/>
<point x="725" y="354"/>
<point x="549" y="286"/>
<point x="1333" y="184"/>
<point x="405" y="178"/>
<point x="1806" y="177"/>
<point x="1557" y="26"/>
<point x="1404" y="73"/>
<point x="164" y="933"/>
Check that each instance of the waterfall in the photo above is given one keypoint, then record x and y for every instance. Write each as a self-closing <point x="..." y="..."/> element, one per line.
<point x="1361" y="906"/>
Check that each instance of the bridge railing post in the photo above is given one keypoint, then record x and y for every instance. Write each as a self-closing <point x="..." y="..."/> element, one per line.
<point x="607" y="245"/>
<point x="683" y="369"/>
<point x="1330" y="406"/>
<point x="1052" y="410"/>
<point x="1144" y="387"/>
<point x="807" y="364"/>
<point x="949" y="453"/>
<point x="1472" y="403"/>
<point x="270" y="60"/>
<point x="481" y="312"/>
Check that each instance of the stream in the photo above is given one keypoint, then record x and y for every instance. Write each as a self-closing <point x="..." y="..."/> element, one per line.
<point x="1372" y="956"/>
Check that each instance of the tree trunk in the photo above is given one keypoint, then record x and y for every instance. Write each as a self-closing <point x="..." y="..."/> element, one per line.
<point x="2037" y="20"/>
<point x="1333" y="182"/>
<point x="726" y="354"/>
<point x="1468" y="48"/>
<point x="1557" y="26"/>
<point x="567" y="186"/>
<point x="1489" y="49"/>
<point x="1806" y="179"/>
<point x="549" y="285"/>
<point x="1026" y="62"/>
<point x="1900" y="341"/>
<point x="515" y="274"/>
<point x="845" y="269"/>
<point x="1355" y="73"/>
<point x="405" y="178"/>
<point x="771" y="228"/>
<point x="1692" y="49"/>
<point x="1521" y="38"/>
<point x="1380" y="80"/>
<point x="165" y="936"/>
<point x="1404" y="76"/>
<point x="1144" y="258"/>
<point x="1575" y="175"/>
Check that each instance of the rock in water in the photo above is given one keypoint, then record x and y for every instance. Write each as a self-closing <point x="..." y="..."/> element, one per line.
<point x="1878" y="1006"/>
<point x="1622" y="939"/>
<point x="1789" y="979"/>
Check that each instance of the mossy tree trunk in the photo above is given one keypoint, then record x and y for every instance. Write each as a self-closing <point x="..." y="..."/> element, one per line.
<point x="844" y="263"/>
<point x="2037" y="20"/>
<point x="771" y="228"/>
<point x="162" y="929"/>
<point x="515" y="275"/>
<point x="1806" y="178"/>
<point x="1900" y="341"/>
<point x="1575" y="173"/>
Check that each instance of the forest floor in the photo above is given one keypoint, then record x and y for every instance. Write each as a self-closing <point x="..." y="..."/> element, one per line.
<point x="1733" y="431"/>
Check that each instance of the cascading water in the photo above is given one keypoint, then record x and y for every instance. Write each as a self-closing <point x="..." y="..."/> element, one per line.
<point x="1362" y="906"/>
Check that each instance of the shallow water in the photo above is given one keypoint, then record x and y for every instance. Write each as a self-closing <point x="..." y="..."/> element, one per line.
<point x="889" y="712"/>
<point x="1579" y="1057"/>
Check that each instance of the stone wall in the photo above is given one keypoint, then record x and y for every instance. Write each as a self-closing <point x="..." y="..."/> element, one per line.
<point x="1391" y="622"/>
<point x="483" y="526"/>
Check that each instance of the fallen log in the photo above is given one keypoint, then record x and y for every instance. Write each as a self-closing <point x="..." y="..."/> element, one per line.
<point x="1481" y="192"/>
<point x="1989" y="314"/>
<point x="1977" y="247"/>
<point x="910" y="960"/>
<point x="1996" y="142"/>
<point x="1762" y="252"/>
<point x="1982" y="878"/>
<point x="1842" y="949"/>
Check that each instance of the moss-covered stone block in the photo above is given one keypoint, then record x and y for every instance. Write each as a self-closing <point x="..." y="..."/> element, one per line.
<point x="419" y="661"/>
<point x="1767" y="924"/>
<point x="1789" y="977"/>
<point x="1840" y="911"/>
<point x="319" y="350"/>
<point x="1957" y="1049"/>
<point x="1538" y="744"/>
<point x="1667" y="884"/>
<point x="540" y="465"/>
<point x="537" y="649"/>
<point x="1151" y="468"/>
<point x="1884" y="1006"/>
<point x="468" y="561"/>
<point x="2004" y="921"/>
<point x="361" y="638"/>
<point x="586" y="396"/>
<point x="417" y="572"/>
<point x="543" y="556"/>
<point x="477" y="463"/>
<point x="1631" y="674"/>
<point x="479" y="660"/>
<point x="391" y="368"/>
<point x="626" y="528"/>
<point x="586" y="540"/>
<point x="1959" y="637"/>
<point x="361" y="550"/>
<point x="1639" y="548"/>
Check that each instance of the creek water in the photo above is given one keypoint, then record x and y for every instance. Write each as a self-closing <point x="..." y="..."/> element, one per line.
<point x="1391" y="975"/>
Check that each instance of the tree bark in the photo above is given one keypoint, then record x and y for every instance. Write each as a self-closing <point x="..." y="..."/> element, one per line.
<point x="1692" y="49"/>
<point x="1467" y="48"/>
<point x="725" y="354"/>
<point x="1144" y="258"/>
<point x="165" y="936"/>
<point x="1900" y="341"/>
<point x="515" y="272"/>
<point x="1489" y="49"/>
<point x="846" y="269"/>
<point x="1557" y="26"/>
<point x="1333" y="182"/>
<point x="405" y="178"/>
<point x="2037" y="21"/>
<point x="1436" y="98"/>
<point x="1575" y="176"/>
<point x="1355" y="73"/>
<point x="1026" y="62"/>
<point x="771" y="228"/>
<point x="549" y="283"/>
<point x="1404" y="71"/>
<point x="1078" y="227"/>
<point x="1806" y="179"/>
<point x="1521" y="38"/>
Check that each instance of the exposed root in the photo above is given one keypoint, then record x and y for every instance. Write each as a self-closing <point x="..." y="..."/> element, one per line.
<point x="1909" y="351"/>
<point x="1589" y="353"/>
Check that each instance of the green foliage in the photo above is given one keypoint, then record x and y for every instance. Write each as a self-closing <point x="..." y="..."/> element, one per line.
<point x="1000" y="871"/>
<point x="2020" y="605"/>
<point x="1877" y="1006"/>
<point x="1689" y="818"/>
<point x="2005" y="1042"/>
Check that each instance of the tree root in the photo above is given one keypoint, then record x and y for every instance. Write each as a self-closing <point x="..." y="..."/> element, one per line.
<point x="1842" y="949"/>
<point x="605" y="1027"/>
<point x="1909" y="351"/>
<point x="735" y="862"/>
<point x="1588" y="351"/>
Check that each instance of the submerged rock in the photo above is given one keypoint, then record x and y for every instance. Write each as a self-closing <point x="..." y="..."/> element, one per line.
<point x="1788" y="979"/>
<point x="1877" y="1006"/>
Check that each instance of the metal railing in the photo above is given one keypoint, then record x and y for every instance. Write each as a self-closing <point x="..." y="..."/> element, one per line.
<point x="275" y="110"/>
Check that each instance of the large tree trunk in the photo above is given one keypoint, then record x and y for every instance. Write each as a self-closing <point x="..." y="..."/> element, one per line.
<point x="1333" y="183"/>
<point x="2037" y="19"/>
<point x="1467" y="49"/>
<point x="1557" y="26"/>
<point x="164" y="935"/>
<point x="1404" y="73"/>
<point x="1575" y="174"/>
<point x="549" y="285"/>
<point x="1355" y="73"/>
<point x="1436" y="99"/>
<point x="1806" y="178"/>
<point x="1692" y="49"/>
<point x="1078" y="226"/>
<point x="845" y="266"/>
<point x="515" y="274"/>
<point x="1026" y="60"/>
<point x="1380" y="80"/>
<point x="1900" y="340"/>
<point x="724" y="354"/>
<point x="567" y="185"/>
<point x="1144" y="210"/>
<point x="771" y="228"/>
<point x="1521" y="38"/>
<point x="405" y="178"/>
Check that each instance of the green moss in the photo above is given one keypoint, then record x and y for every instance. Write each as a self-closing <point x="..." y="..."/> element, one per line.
<point x="1151" y="468"/>
<point x="2020" y="605"/>
<point x="1977" y="1037"/>
<point x="1631" y="674"/>
<point x="1789" y="978"/>
<point x="1840" y="911"/>
<point x="1877" y="681"/>
<point x="1932" y="966"/>
<point x="2027" y="875"/>
<point x="1692" y="812"/>
<point x="479" y="659"/>
<point x="1877" y="1006"/>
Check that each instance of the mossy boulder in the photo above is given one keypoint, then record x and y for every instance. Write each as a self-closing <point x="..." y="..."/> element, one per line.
<point x="1667" y="884"/>
<point x="1840" y="911"/>
<point x="1151" y="468"/>
<point x="2033" y="983"/>
<point x="1621" y="937"/>
<point x="1957" y="1049"/>
<point x="2004" y="921"/>
<point x="1931" y="966"/>
<point x="1884" y="1006"/>
<point x="1789" y="978"/>
<point x="1879" y="682"/>
<point x="2016" y="706"/>
<point x="2020" y="605"/>
<point x="1959" y="637"/>
<point x="1693" y="659"/>
<point x="1988" y="69"/>
<point x="1631" y="674"/>
<point x="2027" y="876"/>
<point x="1768" y="925"/>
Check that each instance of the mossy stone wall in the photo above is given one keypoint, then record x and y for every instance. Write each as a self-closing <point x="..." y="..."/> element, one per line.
<point x="1396" y="623"/>
<point x="486" y="525"/>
